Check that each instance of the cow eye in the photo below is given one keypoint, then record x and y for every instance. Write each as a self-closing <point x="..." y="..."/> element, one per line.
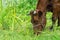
<point x="40" y="13"/>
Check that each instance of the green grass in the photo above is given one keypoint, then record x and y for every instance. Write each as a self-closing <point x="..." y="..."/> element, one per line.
<point x="16" y="23"/>
<point x="45" y="35"/>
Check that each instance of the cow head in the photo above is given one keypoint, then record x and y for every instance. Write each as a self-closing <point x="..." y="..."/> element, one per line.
<point x="35" y="14"/>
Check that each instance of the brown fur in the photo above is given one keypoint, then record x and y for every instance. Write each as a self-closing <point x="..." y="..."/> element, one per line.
<point x="56" y="12"/>
<point x="38" y="19"/>
<point x="49" y="5"/>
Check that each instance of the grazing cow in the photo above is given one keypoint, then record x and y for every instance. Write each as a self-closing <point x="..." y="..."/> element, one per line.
<point x="38" y="16"/>
<point x="56" y="12"/>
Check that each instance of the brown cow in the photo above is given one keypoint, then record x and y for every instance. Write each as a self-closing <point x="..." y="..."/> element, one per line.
<point x="38" y="16"/>
<point x="56" y="12"/>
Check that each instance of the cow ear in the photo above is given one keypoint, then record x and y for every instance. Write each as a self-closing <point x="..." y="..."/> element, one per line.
<point x="40" y="13"/>
<point x="30" y="12"/>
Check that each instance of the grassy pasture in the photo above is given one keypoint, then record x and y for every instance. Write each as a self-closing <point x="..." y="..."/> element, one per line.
<point x="15" y="23"/>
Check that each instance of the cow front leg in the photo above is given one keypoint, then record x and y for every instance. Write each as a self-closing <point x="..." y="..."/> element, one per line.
<point x="53" y="22"/>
